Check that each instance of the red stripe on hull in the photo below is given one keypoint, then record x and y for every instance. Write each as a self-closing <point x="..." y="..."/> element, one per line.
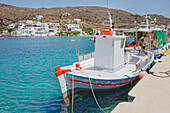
<point x="105" y="84"/>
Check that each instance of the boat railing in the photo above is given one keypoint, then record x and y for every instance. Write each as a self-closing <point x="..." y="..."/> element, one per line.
<point x="143" y="63"/>
<point x="85" y="56"/>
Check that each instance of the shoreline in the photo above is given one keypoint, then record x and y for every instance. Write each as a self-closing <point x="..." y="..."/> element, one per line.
<point x="47" y="36"/>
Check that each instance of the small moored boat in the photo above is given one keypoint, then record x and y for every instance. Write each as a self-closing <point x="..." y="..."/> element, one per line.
<point x="91" y="39"/>
<point x="72" y="40"/>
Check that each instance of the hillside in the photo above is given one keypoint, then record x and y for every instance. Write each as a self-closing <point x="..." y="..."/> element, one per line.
<point x="90" y="16"/>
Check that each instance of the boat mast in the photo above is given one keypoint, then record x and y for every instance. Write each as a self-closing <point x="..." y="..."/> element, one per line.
<point x="147" y="21"/>
<point x="110" y="16"/>
<point x="149" y="33"/>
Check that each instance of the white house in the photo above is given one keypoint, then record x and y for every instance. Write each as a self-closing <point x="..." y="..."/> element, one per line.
<point x="73" y="27"/>
<point x="5" y="31"/>
<point x="11" y="25"/>
<point x="77" y="20"/>
<point x="52" y="32"/>
<point x="54" y="24"/>
<point x="66" y="14"/>
<point x="39" y="17"/>
<point x="14" y="33"/>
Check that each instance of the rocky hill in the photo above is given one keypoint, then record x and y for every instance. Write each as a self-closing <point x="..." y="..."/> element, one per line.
<point x="90" y="16"/>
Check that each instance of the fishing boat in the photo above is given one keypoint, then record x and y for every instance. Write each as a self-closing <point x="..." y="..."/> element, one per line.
<point x="2" y="38"/>
<point x="159" y="42"/>
<point x="110" y="66"/>
<point x="159" y="38"/>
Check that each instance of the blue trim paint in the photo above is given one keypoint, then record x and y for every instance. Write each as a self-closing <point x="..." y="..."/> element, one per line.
<point x="158" y="55"/>
<point x="108" y="79"/>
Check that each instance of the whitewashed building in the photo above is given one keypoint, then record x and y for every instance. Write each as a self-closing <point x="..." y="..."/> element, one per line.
<point x="11" y="25"/>
<point x="5" y="31"/>
<point x="38" y="29"/>
<point x="73" y="27"/>
<point x="38" y="17"/>
<point x="77" y="20"/>
<point x="66" y="14"/>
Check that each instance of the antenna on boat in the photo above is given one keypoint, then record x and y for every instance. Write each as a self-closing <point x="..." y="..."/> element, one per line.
<point x="107" y="4"/>
<point x="154" y="21"/>
<point x="77" y="52"/>
<point x="149" y="33"/>
<point x="110" y="16"/>
<point x="147" y="21"/>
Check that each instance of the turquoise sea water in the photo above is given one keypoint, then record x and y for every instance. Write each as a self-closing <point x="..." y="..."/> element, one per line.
<point x="28" y="82"/>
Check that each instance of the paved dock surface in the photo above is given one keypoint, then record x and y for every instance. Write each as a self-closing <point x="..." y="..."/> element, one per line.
<point x="152" y="93"/>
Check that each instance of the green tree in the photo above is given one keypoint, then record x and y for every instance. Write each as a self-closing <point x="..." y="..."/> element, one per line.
<point x="88" y="30"/>
<point x="75" y="32"/>
<point x="50" y="26"/>
<point x="10" y="30"/>
<point x="41" y="20"/>
<point x="72" y="32"/>
<point x="58" y="21"/>
<point x="122" y="26"/>
<point x="60" y="16"/>
<point x="87" y="19"/>
<point x="60" y="32"/>
<point x="1" y="23"/>
<point x="136" y="15"/>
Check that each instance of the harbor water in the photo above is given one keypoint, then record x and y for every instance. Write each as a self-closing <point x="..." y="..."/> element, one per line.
<point x="27" y="76"/>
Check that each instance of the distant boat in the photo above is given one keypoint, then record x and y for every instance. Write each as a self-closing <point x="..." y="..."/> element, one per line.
<point x="72" y="40"/>
<point x="45" y="38"/>
<point x="91" y="39"/>
<point x="2" y="38"/>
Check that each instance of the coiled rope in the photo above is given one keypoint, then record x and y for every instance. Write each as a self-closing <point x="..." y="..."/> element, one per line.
<point x="129" y="79"/>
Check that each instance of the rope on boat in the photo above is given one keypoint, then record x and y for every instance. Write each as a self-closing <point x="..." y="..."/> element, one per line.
<point x="129" y="79"/>
<point x="72" y="110"/>
<point x="93" y="92"/>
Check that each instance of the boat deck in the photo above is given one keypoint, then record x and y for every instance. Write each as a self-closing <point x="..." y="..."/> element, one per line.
<point x="89" y="70"/>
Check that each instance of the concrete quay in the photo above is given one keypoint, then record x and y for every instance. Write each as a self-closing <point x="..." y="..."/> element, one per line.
<point x="152" y="93"/>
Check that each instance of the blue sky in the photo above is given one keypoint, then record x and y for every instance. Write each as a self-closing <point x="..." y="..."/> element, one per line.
<point x="141" y="7"/>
